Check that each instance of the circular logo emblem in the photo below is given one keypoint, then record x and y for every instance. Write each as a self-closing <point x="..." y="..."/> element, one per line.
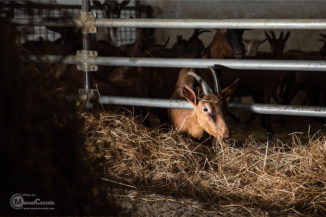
<point x="16" y="201"/>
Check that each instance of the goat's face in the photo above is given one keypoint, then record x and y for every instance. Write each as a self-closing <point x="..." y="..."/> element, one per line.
<point x="234" y="37"/>
<point x="210" y="116"/>
<point x="209" y="111"/>
<point x="277" y="44"/>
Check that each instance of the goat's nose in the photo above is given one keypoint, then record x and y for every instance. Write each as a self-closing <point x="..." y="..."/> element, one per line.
<point x="227" y="135"/>
<point x="238" y="53"/>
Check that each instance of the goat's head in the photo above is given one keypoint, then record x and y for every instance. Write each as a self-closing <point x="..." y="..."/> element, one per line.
<point x="209" y="109"/>
<point x="226" y="43"/>
<point x="277" y="44"/>
<point x="234" y="37"/>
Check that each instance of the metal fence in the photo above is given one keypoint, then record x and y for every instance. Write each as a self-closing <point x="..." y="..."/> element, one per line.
<point x="196" y="63"/>
<point x="41" y="11"/>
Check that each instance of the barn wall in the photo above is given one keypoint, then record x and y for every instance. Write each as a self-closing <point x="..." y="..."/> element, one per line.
<point x="242" y="9"/>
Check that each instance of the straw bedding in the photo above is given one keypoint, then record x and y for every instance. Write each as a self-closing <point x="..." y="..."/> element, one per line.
<point x="275" y="176"/>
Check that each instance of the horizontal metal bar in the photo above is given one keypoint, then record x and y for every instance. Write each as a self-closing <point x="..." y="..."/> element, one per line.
<point x="291" y="65"/>
<point x="272" y="109"/>
<point x="50" y="6"/>
<point x="43" y="22"/>
<point x="191" y="23"/>
<point x="294" y="65"/>
<point x="69" y="59"/>
<point x="183" y="104"/>
<point x="216" y="23"/>
<point x="146" y="102"/>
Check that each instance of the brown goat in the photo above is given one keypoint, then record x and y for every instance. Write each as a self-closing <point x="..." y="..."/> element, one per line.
<point x="226" y="43"/>
<point x="223" y="45"/>
<point x="208" y="113"/>
<point x="193" y="45"/>
<point x="311" y="83"/>
<point x="277" y="44"/>
<point x="261" y="85"/>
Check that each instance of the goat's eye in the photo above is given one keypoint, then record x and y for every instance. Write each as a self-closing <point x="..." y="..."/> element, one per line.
<point x="205" y="109"/>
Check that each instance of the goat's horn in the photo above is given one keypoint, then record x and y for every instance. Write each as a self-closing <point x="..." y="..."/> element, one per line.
<point x="202" y="82"/>
<point x="217" y="85"/>
<point x="273" y="34"/>
<point x="281" y="35"/>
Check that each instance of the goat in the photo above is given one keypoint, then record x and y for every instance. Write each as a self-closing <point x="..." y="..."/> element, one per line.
<point x="226" y="43"/>
<point x="265" y="89"/>
<point x="312" y="82"/>
<point x="143" y="46"/>
<point x="193" y="44"/>
<point x="208" y="113"/>
<point x="277" y="44"/>
<point x="222" y="46"/>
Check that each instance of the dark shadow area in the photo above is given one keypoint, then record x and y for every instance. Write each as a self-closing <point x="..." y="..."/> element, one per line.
<point x="37" y="155"/>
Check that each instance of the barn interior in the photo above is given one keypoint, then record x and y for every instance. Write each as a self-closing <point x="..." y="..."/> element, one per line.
<point x="91" y="158"/>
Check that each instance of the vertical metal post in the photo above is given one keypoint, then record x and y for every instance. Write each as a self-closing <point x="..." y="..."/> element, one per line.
<point x="85" y="7"/>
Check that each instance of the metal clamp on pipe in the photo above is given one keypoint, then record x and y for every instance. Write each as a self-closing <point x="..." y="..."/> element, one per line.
<point x="86" y="60"/>
<point x="88" y="22"/>
<point x="88" y="96"/>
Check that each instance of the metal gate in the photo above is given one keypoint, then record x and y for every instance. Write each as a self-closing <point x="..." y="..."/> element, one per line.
<point x="88" y="60"/>
<point x="42" y="11"/>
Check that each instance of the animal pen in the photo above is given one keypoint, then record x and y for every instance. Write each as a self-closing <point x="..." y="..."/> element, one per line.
<point x="88" y="60"/>
<point x="126" y="157"/>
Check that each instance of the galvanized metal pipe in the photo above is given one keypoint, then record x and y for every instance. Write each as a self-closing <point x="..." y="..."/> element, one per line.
<point x="183" y="104"/>
<point x="190" y="23"/>
<point x="291" y="65"/>
<point x="85" y="7"/>
<point x="215" y="23"/>
<point x="272" y="109"/>
<point x="146" y="102"/>
<point x="43" y="22"/>
<point x="295" y="65"/>
<point x="70" y="59"/>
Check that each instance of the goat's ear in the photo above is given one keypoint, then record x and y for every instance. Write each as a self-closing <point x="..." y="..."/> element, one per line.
<point x="188" y="94"/>
<point x="273" y="35"/>
<point x="287" y="36"/>
<point x="229" y="90"/>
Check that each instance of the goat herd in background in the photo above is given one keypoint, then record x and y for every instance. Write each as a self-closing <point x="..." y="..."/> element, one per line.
<point x="191" y="84"/>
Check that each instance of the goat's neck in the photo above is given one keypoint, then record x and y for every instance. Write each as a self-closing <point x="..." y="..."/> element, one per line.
<point x="219" y="48"/>
<point x="193" y="128"/>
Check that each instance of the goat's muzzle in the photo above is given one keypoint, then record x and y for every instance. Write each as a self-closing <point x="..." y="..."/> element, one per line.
<point x="238" y="53"/>
<point x="227" y="135"/>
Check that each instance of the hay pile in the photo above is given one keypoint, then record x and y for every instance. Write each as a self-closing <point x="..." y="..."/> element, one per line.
<point x="274" y="177"/>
